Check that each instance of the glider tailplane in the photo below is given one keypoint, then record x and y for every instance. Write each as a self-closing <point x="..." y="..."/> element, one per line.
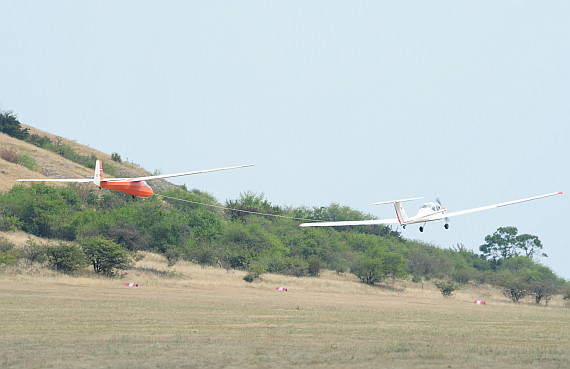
<point x="400" y="212"/>
<point x="98" y="176"/>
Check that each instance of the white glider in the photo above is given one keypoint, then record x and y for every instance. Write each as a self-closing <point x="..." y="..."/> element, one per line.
<point x="428" y="212"/>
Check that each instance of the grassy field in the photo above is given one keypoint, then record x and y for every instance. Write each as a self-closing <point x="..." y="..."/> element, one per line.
<point x="186" y="316"/>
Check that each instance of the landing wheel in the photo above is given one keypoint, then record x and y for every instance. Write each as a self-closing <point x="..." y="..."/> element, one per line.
<point x="446" y="226"/>
<point x="421" y="229"/>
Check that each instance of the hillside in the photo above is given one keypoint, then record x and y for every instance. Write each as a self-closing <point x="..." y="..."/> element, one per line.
<point x="56" y="165"/>
<point x="181" y="227"/>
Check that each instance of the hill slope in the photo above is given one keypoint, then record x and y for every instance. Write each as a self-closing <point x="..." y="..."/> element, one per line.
<point x="58" y="166"/>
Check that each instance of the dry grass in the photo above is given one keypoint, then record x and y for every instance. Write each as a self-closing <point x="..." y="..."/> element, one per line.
<point x="187" y="316"/>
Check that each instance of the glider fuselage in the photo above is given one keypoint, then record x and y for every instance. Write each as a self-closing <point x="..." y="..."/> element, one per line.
<point x="130" y="187"/>
<point x="428" y="212"/>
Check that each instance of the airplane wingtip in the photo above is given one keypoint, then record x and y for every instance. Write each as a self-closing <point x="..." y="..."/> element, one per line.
<point x="560" y="193"/>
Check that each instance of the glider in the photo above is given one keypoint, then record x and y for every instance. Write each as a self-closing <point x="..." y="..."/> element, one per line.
<point x="136" y="187"/>
<point x="428" y="212"/>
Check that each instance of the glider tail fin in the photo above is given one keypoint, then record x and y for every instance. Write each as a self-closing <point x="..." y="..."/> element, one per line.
<point x="98" y="176"/>
<point x="400" y="212"/>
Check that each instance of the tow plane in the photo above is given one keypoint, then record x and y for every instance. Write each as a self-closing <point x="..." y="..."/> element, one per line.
<point x="428" y="212"/>
<point x="136" y="187"/>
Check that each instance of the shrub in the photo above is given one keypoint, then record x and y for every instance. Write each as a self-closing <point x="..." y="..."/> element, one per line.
<point x="446" y="288"/>
<point x="34" y="252"/>
<point x="514" y="285"/>
<point x="105" y="255"/>
<point x="65" y="258"/>
<point x="6" y="244"/>
<point x="297" y="267"/>
<point x="10" y="125"/>
<point x="9" y="154"/>
<point x="566" y="294"/>
<point x="8" y="255"/>
<point x="379" y="267"/>
<point x="315" y="265"/>
<point x="9" y="223"/>
<point x="172" y="255"/>
<point x="27" y="161"/>
<point x="248" y="278"/>
<point x="116" y="157"/>
<point x="128" y="236"/>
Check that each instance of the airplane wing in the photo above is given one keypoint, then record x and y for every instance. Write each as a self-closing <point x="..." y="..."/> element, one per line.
<point x="147" y="178"/>
<point x="57" y="180"/>
<point x="455" y="213"/>
<point x="350" y="223"/>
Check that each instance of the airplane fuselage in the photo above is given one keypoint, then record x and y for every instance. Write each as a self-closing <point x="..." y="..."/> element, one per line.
<point x="425" y="214"/>
<point x="133" y="188"/>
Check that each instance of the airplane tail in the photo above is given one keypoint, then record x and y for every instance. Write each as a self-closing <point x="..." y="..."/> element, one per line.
<point x="98" y="176"/>
<point x="400" y="212"/>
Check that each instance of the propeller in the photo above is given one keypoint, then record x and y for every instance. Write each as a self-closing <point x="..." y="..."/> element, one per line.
<point x="445" y="220"/>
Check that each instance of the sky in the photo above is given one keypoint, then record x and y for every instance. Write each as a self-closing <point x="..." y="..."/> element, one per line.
<point x="348" y="102"/>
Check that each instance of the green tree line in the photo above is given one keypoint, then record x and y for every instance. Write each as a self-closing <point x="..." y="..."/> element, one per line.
<point x="79" y="214"/>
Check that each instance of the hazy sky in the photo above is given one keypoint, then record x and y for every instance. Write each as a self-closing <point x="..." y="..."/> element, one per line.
<point x="350" y="102"/>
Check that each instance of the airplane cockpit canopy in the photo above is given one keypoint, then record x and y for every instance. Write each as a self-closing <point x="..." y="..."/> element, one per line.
<point x="432" y="206"/>
<point x="145" y="184"/>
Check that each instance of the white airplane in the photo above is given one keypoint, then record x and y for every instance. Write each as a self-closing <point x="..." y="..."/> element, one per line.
<point x="428" y="212"/>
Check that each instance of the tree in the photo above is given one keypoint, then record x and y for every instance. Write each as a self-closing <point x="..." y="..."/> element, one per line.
<point x="379" y="266"/>
<point x="66" y="258"/>
<point x="128" y="236"/>
<point x="34" y="252"/>
<point x="529" y="244"/>
<point x="10" y="125"/>
<point x="513" y="277"/>
<point x="500" y="245"/>
<point x="505" y="243"/>
<point x="105" y="255"/>
<point x="542" y="284"/>
<point x="446" y="288"/>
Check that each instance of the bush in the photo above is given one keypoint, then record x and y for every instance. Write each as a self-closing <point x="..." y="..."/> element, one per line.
<point x="375" y="269"/>
<point x="9" y="154"/>
<point x="6" y="244"/>
<point x="116" y="157"/>
<point x="105" y="255"/>
<point x="9" y="223"/>
<point x="446" y="288"/>
<point x="513" y="284"/>
<point x="9" y="257"/>
<point x="34" y="252"/>
<point x="248" y="278"/>
<point x="65" y="258"/>
<point x="10" y="125"/>
<point x="566" y="294"/>
<point x="27" y="161"/>
<point x="315" y="264"/>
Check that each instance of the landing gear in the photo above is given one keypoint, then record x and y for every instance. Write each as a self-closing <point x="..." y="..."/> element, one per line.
<point x="446" y="226"/>
<point x="421" y="229"/>
<point x="404" y="226"/>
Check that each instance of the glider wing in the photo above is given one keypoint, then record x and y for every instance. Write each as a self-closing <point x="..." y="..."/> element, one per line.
<point x="148" y="178"/>
<point x="447" y="215"/>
